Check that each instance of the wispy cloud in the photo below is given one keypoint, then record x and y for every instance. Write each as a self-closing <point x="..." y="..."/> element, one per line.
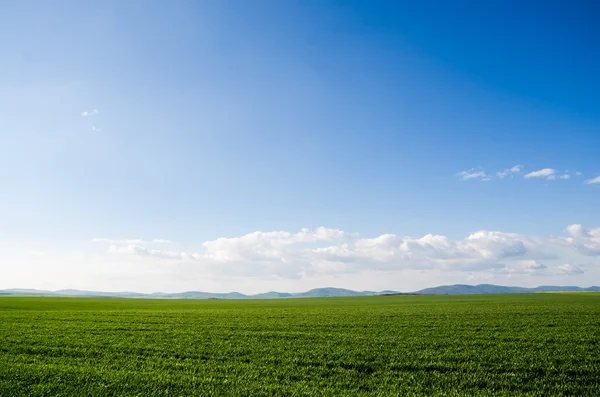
<point x="473" y="173"/>
<point x="509" y="171"/>
<point x="593" y="180"/>
<point x="131" y="241"/>
<point x="548" y="173"/>
<point x="89" y="113"/>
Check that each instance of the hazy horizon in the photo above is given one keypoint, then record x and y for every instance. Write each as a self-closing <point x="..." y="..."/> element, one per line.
<point x="328" y="291"/>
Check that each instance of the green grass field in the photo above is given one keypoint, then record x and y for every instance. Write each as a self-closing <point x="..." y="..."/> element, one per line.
<point x="534" y="344"/>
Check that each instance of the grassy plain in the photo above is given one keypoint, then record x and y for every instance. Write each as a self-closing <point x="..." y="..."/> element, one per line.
<point x="533" y="344"/>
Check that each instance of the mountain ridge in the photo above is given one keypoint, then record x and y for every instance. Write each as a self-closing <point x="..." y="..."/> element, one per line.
<point x="454" y="289"/>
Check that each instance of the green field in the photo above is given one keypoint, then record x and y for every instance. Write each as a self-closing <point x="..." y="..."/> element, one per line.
<point x="530" y="344"/>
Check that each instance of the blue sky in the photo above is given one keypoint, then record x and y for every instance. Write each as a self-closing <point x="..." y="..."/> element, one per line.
<point x="200" y="121"/>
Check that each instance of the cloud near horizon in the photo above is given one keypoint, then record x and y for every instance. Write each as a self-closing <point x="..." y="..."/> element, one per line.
<point x="325" y="251"/>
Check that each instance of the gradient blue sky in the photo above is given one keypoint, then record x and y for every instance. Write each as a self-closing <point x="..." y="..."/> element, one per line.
<point x="216" y="119"/>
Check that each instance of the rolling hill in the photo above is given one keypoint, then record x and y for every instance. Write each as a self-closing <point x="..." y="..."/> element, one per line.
<point x="456" y="289"/>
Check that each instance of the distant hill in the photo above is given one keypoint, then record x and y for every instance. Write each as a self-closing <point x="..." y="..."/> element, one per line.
<point x="272" y="295"/>
<point x="313" y="293"/>
<point x="327" y="292"/>
<point x="26" y="291"/>
<point x="463" y="289"/>
<point x="457" y="289"/>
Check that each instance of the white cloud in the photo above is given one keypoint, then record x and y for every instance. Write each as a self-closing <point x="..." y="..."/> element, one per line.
<point x="586" y="242"/>
<point x="593" y="180"/>
<point x="566" y="269"/>
<point x="134" y="249"/>
<point x="543" y="173"/>
<point x="90" y="113"/>
<point x="509" y="171"/>
<point x="471" y="174"/>
<point x="96" y="129"/>
<point x="326" y="251"/>
<point x="578" y="173"/>
<point x="530" y="267"/>
<point x="550" y="174"/>
<point x="535" y="268"/>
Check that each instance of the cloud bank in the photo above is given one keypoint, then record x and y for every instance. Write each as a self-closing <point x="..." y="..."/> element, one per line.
<point x="325" y="251"/>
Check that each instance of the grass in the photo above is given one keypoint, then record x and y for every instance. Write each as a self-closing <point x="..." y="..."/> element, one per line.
<point x="529" y="344"/>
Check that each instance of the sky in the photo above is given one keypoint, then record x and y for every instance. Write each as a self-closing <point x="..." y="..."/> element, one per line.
<point x="288" y="145"/>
